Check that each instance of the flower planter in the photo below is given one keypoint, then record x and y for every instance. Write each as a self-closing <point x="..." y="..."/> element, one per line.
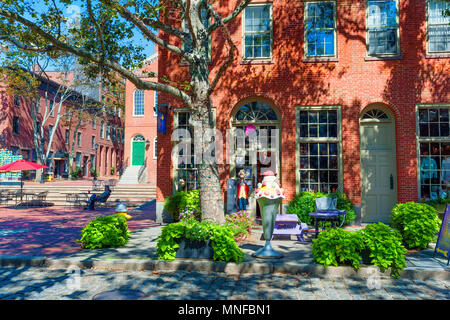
<point x="194" y="249"/>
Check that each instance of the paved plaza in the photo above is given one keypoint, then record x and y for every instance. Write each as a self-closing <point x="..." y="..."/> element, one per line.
<point x="48" y="284"/>
<point x="40" y="259"/>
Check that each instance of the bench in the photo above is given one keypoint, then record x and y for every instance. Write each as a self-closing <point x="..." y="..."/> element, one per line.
<point x="288" y="224"/>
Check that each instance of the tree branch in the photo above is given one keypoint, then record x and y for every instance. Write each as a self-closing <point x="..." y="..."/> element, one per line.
<point x="81" y="52"/>
<point x="227" y="19"/>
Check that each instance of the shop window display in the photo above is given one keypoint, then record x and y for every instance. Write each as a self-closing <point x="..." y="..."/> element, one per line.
<point x="434" y="152"/>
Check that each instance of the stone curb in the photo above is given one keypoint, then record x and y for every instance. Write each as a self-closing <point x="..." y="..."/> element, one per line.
<point x="364" y="272"/>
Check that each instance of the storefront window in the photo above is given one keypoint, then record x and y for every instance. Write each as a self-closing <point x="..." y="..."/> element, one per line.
<point x="319" y="151"/>
<point x="434" y="152"/>
<point x="186" y="169"/>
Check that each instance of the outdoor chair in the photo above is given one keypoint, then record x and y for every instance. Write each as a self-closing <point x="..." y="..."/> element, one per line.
<point x="82" y="199"/>
<point x="71" y="200"/>
<point x="5" y="197"/>
<point x="111" y="183"/>
<point x="96" y="185"/>
<point x="39" y="198"/>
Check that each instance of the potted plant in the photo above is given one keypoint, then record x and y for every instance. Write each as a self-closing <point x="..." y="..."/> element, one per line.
<point x="112" y="171"/>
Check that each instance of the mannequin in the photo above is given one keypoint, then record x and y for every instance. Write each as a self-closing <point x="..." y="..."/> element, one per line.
<point x="242" y="192"/>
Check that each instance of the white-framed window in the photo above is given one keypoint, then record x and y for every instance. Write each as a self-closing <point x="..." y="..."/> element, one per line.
<point x="433" y="150"/>
<point x="320" y="28"/>
<point x="37" y="105"/>
<point x="319" y="149"/>
<point x="94" y="125"/>
<point x="79" y="139"/>
<point x="113" y="134"/>
<point x="138" y="102"/>
<point x="382" y="28"/>
<point x="257" y="31"/>
<point x="93" y="142"/>
<point x="185" y="166"/>
<point x="438" y="27"/>
<point x="15" y="127"/>
<point x="51" y="108"/>
<point x="108" y="132"/>
<point x="16" y="100"/>
<point x="155" y="148"/>
<point x="67" y="133"/>
<point x="102" y="130"/>
<point x="50" y="129"/>
<point x="155" y="103"/>
<point x="78" y="159"/>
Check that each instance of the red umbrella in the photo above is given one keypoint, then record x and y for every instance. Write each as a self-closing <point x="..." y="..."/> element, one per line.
<point x="22" y="165"/>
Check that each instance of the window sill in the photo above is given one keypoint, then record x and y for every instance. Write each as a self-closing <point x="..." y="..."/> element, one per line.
<point x="257" y="61"/>
<point x="380" y="58"/>
<point x="437" y="55"/>
<point x="321" y="59"/>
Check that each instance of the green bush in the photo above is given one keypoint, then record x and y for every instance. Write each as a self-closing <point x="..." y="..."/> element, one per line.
<point x="77" y="173"/>
<point x="181" y="200"/>
<point x="222" y="241"/>
<point x="418" y="223"/>
<point x="304" y="203"/>
<point x="338" y="246"/>
<point x="384" y="246"/>
<point x="104" y="232"/>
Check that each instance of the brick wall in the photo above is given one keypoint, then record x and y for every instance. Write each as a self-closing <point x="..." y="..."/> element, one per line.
<point x="351" y="81"/>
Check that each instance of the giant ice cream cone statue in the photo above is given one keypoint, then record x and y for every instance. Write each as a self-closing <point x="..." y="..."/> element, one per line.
<point x="269" y="197"/>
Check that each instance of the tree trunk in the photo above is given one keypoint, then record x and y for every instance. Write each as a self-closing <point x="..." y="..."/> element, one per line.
<point x="208" y="174"/>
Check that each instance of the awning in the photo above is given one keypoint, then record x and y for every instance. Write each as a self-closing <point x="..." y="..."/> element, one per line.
<point x="60" y="155"/>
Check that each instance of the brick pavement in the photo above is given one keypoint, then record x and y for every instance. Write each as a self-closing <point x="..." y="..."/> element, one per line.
<point x="53" y="231"/>
<point x="48" y="284"/>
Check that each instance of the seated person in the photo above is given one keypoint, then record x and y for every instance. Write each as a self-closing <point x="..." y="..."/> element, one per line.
<point x="99" y="198"/>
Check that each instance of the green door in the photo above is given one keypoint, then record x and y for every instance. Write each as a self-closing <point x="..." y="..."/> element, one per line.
<point x="138" y="153"/>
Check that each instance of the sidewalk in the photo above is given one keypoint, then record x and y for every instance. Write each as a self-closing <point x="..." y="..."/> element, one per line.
<point x="140" y="254"/>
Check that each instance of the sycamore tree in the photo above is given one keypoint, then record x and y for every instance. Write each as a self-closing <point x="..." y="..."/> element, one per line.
<point x="81" y="110"/>
<point x="23" y="74"/>
<point x="100" y="34"/>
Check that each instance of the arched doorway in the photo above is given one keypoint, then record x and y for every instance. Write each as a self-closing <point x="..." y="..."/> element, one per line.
<point x="138" y="151"/>
<point x="378" y="164"/>
<point x="255" y="144"/>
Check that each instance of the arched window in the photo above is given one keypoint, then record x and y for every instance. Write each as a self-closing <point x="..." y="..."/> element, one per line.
<point x="139" y="138"/>
<point x="138" y="103"/>
<point x="375" y="114"/>
<point x="256" y="112"/>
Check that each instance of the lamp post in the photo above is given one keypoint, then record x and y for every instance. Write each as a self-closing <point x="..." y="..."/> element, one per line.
<point x="95" y="165"/>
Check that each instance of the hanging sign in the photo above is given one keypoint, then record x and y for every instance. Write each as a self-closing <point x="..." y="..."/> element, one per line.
<point x="443" y="242"/>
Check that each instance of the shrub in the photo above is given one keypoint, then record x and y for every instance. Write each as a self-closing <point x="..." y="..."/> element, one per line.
<point x="189" y="215"/>
<point x="178" y="202"/>
<point x="240" y="222"/>
<point x="77" y="173"/>
<point x="385" y="247"/>
<point x="105" y="231"/>
<point x="222" y="241"/>
<point x="338" y="246"/>
<point x="418" y="223"/>
<point x="304" y="203"/>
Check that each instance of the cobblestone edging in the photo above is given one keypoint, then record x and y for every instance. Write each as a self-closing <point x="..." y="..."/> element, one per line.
<point x="364" y="272"/>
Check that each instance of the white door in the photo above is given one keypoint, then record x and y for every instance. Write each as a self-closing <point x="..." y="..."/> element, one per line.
<point x="378" y="170"/>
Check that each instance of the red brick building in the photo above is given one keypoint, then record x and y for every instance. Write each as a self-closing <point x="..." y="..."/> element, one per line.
<point x="140" y="143"/>
<point x="105" y="131"/>
<point x="359" y="90"/>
